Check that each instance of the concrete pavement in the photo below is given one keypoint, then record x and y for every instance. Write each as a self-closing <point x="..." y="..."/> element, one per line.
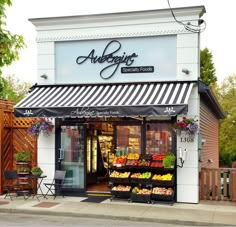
<point x="205" y="213"/>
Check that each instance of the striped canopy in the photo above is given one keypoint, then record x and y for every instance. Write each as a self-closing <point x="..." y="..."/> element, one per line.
<point x="106" y="100"/>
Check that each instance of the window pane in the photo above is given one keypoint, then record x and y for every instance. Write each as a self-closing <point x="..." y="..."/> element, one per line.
<point x="158" y="138"/>
<point x="129" y="137"/>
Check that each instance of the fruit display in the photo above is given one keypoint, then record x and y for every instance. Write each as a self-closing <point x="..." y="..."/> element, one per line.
<point x="165" y="177"/>
<point x="131" y="163"/>
<point x="162" y="191"/>
<point x="119" y="161"/>
<point x="134" y="156"/>
<point x="143" y="191"/>
<point x="143" y="162"/>
<point x="158" y="157"/>
<point x="156" y="164"/>
<point x="116" y="174"/>
<point x="135" y="175"/>
<point x="123" y="188"/>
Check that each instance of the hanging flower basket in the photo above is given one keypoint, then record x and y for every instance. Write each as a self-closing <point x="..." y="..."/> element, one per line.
<point x="188" y="126"/>
<point x="41" y="125"/>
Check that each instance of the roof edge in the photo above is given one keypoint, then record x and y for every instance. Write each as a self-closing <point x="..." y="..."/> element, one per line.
<point x="207" y="94"/>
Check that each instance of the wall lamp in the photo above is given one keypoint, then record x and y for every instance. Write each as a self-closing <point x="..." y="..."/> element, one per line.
<point x="186" y="71"/>
<point x="44" y="76"/>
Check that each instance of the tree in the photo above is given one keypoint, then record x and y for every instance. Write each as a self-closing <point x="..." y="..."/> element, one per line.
<point x="226" y="94"/>
<point x="14" y="89"/>
<point x="207" y="68"/>
<point x="10" y="44"/>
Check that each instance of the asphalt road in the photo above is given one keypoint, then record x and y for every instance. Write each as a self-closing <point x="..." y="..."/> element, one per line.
<point x="16" y="219"/>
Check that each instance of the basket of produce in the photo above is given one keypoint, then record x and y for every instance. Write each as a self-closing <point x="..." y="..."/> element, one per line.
<point x="121" y="191"/>
<point x="141" y="178"/>
<point x="163" y="180"/>
<point x="133" y="156"/>
<point x="141" y="195"/>
<point x="156" y="164"/>
<point x="132" y="162"/>
<point x="119" y="177"/>
<point x="161" y="193"/>
<point x="119" y="161"/>
<point x="144" y="162"/>
<point x="158" y="157"/>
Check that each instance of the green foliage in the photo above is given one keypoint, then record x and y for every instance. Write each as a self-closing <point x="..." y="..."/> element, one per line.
<point x="226" y="94"/>
<point x="23" y="169"/>
<point x="36" y="170"/>
<point x="169" y="160"/>
<point x="207" y="68"/>
<point x="14" y="90"/>
<point x="23" y="156"/>
<point x="10" y="44"/>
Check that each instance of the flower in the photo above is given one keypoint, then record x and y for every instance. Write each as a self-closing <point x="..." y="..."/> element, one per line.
<point x="41" y="125"/>
<point x="187" y="125"/>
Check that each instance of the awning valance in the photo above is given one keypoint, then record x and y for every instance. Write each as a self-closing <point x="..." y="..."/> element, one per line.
<point x="106" y="100"/>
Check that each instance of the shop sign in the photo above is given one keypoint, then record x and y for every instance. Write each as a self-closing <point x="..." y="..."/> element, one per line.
<point x="136" y="59"/>
<point x="110" y="55"/>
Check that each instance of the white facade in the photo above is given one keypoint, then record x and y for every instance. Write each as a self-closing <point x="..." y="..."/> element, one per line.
<point x="127" y="25"/>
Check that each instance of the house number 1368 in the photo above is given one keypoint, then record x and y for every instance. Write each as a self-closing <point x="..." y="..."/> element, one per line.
<point x="186" y="140"/>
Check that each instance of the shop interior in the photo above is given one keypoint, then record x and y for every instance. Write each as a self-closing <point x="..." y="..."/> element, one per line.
<point x="102" y="147"/>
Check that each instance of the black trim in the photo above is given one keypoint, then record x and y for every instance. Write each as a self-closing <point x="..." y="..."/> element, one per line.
<point x="209" y="98"/>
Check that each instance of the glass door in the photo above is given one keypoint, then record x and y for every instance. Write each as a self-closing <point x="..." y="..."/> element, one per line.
<point x="70" y="155"/>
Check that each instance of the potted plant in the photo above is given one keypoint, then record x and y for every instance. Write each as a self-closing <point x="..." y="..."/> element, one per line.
<point x="23" y="156"/>
<point x="36" y="171"/>
<point x="41" y="125"/>
<point x="23" y="169"/>
<point x="186" y="125"/>
<point x="169" y="161"/>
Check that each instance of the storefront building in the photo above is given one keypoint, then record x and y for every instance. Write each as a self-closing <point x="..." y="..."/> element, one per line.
<point x="119" y="81"/>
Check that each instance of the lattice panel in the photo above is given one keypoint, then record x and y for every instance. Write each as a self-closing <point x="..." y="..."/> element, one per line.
<point x="22" y="122"/>
<point x="7" y="118"/>
<point x="7" y="150"/>
<point x="23" y="141"/>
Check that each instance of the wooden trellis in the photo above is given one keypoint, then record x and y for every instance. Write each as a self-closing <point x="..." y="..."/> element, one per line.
<point x="14" y="138"/>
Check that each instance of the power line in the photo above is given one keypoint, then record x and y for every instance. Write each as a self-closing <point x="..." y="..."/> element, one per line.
<point x="188" y="26"/>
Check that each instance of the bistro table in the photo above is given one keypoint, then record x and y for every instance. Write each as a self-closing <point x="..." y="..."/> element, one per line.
<point x="38" y="191"/>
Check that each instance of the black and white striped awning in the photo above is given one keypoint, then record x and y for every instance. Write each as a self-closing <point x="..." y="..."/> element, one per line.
<point x="106" y="100"/>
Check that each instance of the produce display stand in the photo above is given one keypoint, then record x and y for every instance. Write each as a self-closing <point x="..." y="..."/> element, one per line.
<point x="144" y="198"/>
<point x="162" y="199"/>
<point x="120" y="194"/>
<point x="144" y="183"/>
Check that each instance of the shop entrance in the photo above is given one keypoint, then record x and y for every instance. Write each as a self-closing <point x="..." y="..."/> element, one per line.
<point x="70" y="156"/>
<point x="100" y="154"/>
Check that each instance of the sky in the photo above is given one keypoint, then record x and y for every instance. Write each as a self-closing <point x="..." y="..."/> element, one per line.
<point x="219" y="36"/>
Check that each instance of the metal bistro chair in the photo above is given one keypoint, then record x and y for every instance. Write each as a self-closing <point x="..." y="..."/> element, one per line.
<point x="56" y="185"/>
<point x="11" y="184"/>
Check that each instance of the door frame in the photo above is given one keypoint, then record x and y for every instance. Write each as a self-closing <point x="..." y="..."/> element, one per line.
<point x="59" y="123"/>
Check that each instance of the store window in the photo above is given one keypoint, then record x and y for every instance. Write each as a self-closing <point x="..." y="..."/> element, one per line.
<point x="158" y="138"/>
<point x="129" y="138"/>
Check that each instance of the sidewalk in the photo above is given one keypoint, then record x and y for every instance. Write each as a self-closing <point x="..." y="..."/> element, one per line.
<point x="205" y="213"/>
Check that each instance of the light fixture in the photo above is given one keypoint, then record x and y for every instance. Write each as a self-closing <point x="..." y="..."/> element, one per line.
<point x="44" y="76"/>
<point x="182" y="157"/>
<point x="186" y="71"/>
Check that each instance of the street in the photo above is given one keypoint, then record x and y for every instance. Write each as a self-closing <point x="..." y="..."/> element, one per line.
<point x="17" y="219"/>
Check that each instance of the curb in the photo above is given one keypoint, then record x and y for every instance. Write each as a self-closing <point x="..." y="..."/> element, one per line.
<point x="112" y="217"/>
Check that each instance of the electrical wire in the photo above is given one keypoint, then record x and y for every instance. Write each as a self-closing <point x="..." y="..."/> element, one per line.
<point x="188" y="26"/>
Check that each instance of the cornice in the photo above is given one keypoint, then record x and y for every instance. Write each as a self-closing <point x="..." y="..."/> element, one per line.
<point x="54" y="38"/>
